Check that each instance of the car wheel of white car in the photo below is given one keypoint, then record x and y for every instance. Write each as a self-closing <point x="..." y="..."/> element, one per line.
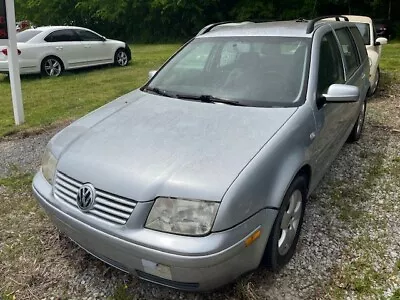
<point x="121" y="58"/>
<point x="52" y="66"/>
<point x="376" y="82"/>
<point x="286" y="231"/>
<point x="355" y="134"/>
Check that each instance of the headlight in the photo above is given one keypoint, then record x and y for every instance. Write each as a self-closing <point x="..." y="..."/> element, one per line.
<point x="181" y="216"/>
<point x="49" y="164"/>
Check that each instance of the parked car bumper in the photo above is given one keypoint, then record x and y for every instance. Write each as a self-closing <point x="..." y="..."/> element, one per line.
<point x="200" y="272"/>
<point x="22" y="70"/>
<point x="3" y="67"/>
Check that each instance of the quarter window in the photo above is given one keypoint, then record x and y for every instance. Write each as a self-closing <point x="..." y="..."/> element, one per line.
<point x="330" y="64"/>
<point x="350" y="52"/>
<point x="62" y="36"/>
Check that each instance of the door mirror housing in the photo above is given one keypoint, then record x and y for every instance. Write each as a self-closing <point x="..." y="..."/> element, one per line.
<point x="152" y="73"/>
<point x="342" y="93"/>
<point x="381" y="41"/>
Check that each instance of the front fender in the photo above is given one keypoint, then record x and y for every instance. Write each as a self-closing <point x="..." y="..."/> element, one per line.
<point x="265" y="180"/>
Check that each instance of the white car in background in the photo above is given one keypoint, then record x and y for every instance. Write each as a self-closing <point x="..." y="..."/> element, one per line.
<point x="51" y="50"/>
<point x="374" y="47"/>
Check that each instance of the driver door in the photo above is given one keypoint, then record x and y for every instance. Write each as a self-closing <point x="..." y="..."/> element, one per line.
<point x="328" y="115"/>
<point x="97" y="50"/>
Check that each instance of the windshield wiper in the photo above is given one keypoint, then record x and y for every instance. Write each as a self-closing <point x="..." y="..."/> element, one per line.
<point x="209" y="99"/>
<point x="157" y="91"/>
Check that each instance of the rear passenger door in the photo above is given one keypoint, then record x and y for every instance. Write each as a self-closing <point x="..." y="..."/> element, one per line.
<point x="66" y="45"/>
<point x="355" y="75"/>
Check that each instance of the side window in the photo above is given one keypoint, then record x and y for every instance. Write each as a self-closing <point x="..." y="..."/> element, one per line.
<point x="62" y="36"/>
<point x="88" y="36"/>
<point x="351" y="57"/>
<point x="360" y="43"/>
<point x="330" y="64"/>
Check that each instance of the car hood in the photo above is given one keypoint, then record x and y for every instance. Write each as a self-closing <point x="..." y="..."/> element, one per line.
<point x="156" y="146"/>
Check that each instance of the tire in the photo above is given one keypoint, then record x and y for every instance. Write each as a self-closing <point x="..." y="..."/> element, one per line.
<point x="281" y="244"/>
<point x="356" y="133"/>
<point x="52" y="66"/>
<point x="121" y="58"/>
<point x="372" y="92"/>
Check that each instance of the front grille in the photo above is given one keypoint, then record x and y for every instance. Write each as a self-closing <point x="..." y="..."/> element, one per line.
<point x="107" y="206"/>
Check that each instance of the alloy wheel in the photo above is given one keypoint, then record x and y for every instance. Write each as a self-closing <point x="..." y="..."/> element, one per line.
<point x="290" y="222"/>
<point x="361" y="118"/>
<point x="122" y="58"/>
<point x="52" y="67"/>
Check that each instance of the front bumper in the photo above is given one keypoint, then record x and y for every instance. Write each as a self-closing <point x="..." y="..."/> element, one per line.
<point x="200" y="272"/>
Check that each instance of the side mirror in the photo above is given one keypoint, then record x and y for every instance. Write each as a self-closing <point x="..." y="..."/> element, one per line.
<point x="381" y="41"/>
<point x="152" y="73"/>
<point x="342" y="93"/>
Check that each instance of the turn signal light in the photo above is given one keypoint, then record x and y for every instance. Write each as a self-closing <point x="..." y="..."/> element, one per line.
<point x="251" y="239"/>
<point x="5" y="51"/>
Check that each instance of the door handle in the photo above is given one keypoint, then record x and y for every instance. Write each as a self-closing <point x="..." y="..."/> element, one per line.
<point x="59" y="48"/>
<point x="363" y="76"/>
<point x="88" y="46"/>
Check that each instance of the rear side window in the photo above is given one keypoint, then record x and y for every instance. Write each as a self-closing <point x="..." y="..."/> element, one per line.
<point x="351" y="56"/>
<point x="25" y="36"/>
<point x="360" y="43"/>
<point x="66" y="35"/>
<point x="330" y="64"/>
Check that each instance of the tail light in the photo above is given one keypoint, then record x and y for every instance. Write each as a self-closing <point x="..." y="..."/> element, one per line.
<point x="5" y="52"/>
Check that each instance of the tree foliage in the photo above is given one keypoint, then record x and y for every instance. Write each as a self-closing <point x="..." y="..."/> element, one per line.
<point x="167" y="20"/>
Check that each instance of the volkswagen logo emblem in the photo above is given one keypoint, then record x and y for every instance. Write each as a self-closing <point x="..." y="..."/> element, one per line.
<point x="86" y="196"/>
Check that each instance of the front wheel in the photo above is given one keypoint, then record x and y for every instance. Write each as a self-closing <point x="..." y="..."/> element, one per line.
<point x="121" y="58"/>
<point x="356" y="133"/>
<point x="286" y="230"/>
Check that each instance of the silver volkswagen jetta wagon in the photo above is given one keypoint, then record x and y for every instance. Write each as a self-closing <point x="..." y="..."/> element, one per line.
<point x="202" y="174"/>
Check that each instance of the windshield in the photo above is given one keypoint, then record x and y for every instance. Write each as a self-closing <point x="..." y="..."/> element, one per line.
<point x="254" y="71"/>
<point x="25" y="36"/>
<point x="365" y="32"/>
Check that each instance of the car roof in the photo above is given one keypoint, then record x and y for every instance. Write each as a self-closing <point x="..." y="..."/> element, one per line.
<point x="295" y="28"/>
<point x="280" y="28"/>
<point x="46" y="28"/>
<point x="355" y="18"/>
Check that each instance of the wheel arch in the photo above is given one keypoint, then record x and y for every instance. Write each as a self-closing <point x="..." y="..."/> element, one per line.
<point x="52" y="55"/>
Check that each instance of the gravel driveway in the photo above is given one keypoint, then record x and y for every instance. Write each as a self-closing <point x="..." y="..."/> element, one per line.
<point x="349" y="247"/>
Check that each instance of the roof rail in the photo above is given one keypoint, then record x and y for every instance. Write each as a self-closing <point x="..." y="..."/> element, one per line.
<point x="209" y="27"/>
<point x="311" y="24"/>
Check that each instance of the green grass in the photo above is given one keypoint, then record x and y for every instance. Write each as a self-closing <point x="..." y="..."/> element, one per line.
<point x="390" y="61"/>
<point x="50" y="100"/>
